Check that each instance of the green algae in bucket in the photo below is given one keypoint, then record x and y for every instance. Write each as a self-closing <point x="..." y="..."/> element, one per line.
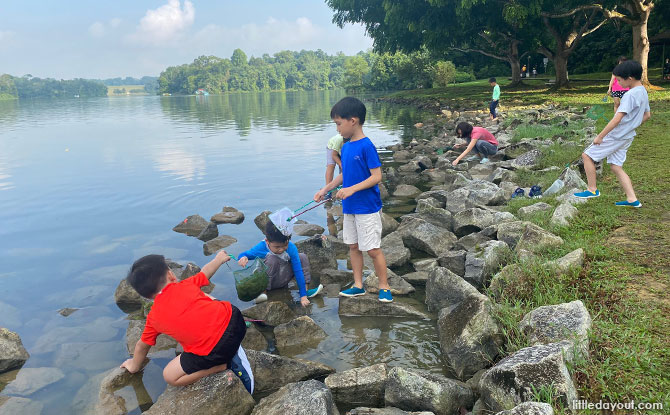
<point x="251" y="281"/>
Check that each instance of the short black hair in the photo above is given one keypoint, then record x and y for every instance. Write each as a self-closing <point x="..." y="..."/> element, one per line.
<point x="348" y="108"/>
<point x="621" y="59"/>
<point x="628" y="69"/>
<point x="148" y="274"/>
<point x="491" y="80"/>
<point x="274" y="235"/>
<point x="466" y="129"/>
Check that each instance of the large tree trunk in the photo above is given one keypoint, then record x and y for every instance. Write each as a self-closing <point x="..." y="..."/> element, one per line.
<point x="561" y="66"/>
<point x="516" y="70"/>
<point x="641" y="44"/>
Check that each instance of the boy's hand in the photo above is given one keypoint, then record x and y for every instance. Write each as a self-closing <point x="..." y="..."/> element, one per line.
<point x="344" y="193"/>
<point x="222" y="256"/>
<point x="455" y="162"/>
<point x="243" y="261"/>
<point x="598" y="140"/>
<point x="130" y="366"/>
<point x="304" y="301"/>
<point x="320" y="195"/>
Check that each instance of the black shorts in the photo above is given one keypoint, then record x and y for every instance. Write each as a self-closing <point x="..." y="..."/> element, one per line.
<point x="618" y="94"/>
<point x="223" y="351"/>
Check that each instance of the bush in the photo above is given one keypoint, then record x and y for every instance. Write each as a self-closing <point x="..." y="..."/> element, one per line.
<point x="463" y="77"/>
<point x="444" y="73"/>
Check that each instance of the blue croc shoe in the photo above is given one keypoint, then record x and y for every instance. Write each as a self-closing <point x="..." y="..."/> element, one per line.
<point x="385" y="296"/>
<point x="626" y="203"/>
<point x="314" y="291"/>
<point x="241" y="367"/>
<point x="587" y="194"/>
<point x="352" y="292"/>
<point x="535" y="192"/>
<point x="519" y="192"/>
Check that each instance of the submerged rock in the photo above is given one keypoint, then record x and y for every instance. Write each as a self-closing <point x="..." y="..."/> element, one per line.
<point x="300" y="333"/>
<point x="228" y="215"/>
<point x="30" y="380"/>
<point x="218" y="243"/>
<point x="300" y="398"/>
<point x="67" y="311"/>
<point x="11" y="405"/>
<point x="369" y="305"/>
<point x="272" y="313"/>
<point x="271" y="371"/>
<point x="192" y="225"/>
<point x="359" y="386"/>
<point x="12" y="353"/>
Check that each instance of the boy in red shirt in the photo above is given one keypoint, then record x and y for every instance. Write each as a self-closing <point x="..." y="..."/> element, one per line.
<point x="209" y="330"/>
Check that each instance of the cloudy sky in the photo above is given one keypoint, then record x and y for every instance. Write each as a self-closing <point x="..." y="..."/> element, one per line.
<point x="105" y="39"/>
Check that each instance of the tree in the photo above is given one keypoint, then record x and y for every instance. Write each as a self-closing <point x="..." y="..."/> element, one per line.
<point x="355" y="68"/>
<point x="445" y="73"/>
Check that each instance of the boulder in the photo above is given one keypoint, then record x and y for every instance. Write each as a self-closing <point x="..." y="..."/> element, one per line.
<point x="134" y="332"/>
<point x="220" y="393"/>
<point x="553" y="323"/>
<point x="369" y="305"/>
<point x="434" y="175"/>
<point x="336" y="276"/>
<point x="535" y="239"/>
<point x="300" y="333"/>
<point x="300" y="398"/>
<point x="272" y="313"/>
<point x="484" y="262"/>
<point x="388" y="410"/>
<point x="475" y="193"/>
<point x="394" y="250"/>
<point x="337" y="245"/>
<point x="218" y="243"/>
<point x="416" y="390"/>
<point x="30" y="380"/>
<point x="11" y="405"/>
<point x="383" y="191"/>
<point x="510" y="275"/>
<point x="473" y="220"/>
<point x="402" y="156"/>
<point x="209" y="233"/>
<point x="398" y="285"/>
<point x="569" y="197"/>
<point x="574" y="259"/>
<point x="534" y="209"/>
<point x="192" y="225"/>
<point x="108" y="401"/>
<point x="254" y="339"/>
<point x="389" y="224"/>
<point x="425" y="264"/>
<point x="418" y="278"/>
<point x="516" y="378"/>
<point x="436" y="215"/>
<point x="528" y="160"/>
<point x="271" y="371"/>
<point x="530" y="408"/>
<point x="515" y="150"/>
<point x="470" y="338"/>
<point x="320" y="252"/>
<point x="563" y="213"/>
<point x="228" y="215"/>
<point x="407" y="191"/>
<point x="308" y="229"/>
<point x="262" y="219"/>
<point x="359" y="386"/>
<point x="510" y="232"/>
<point x="190" y="270"/>
<point x="126" y="298"/>
<point x="424" y="236"/>
<point x="446" y="289"/>
<point x="471" y="242"/>
<point x="572" y="179"/>
<point x="439" y="195"/>
<point x="454" y="261"/>
<point x="500" y="175"/>
<point x="12" y="353"/>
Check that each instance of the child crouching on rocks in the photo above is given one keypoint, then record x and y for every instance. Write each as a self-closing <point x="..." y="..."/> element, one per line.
<point x="479" y="141"/>
<point x="209" y="330"/>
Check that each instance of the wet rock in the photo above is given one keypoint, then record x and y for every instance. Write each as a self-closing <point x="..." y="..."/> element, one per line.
<point x="473" y="220"/>
<point x="424" y="236"/>
<point x="454" y="261"/>
<point x="574" y="259"/>
<point x="369" y="305"/>
<point x="271" y="371"/>
<point x="67" y="311"/>
<point x="134" y="332"/>
<point x="308" y="229"/>
<point x="569" y="197"/>
<point x="415" y="390"/>
<point x="406" y="190"/>
<point x="108" y="401"/>
<point x="300" y="333"/>
<point x="126" y="298"/>
<point x="262" y="220"/>
<point x="398" y="285"/>
<point x="192" y="225"/>
<point x="12" y="405"/>
<point x="563" y="213"/>
<point x="228" y="215"/>
<point x="300" y="398"/>
<point x="533" y="209"/>
<point x="516" y="378"/>
<point x="482" y="264"/>
<point x="219" y="393"/>
<point x="218" y="243"/>
<point x="394" y="250"/>
<point x="446" y="289"/>
<point x="471" y="242"/>
<point x="209" y="233"/>
<point x="272" y="313"/>
<point x="359" y="386"/>
<point x="320" y="252"/>
<point x="12" y="353"/>
<point x="530" y="408"/>
<point x="426" y="264"/>
<point x="470" y="338"/>
<point x="402" y="156"/>
<point x="527" y="160"/>
<point x="500" y="175"/>
<point x="254" y="340"/>
<point x="418" y="278"/>
<point x="553" y="323"/>
<point x="535" y="239"/>
<point x="30" y="380"/>
<point x="510" y="232"/>
<point x="336" y="276"/>
<point x="476" y="193"/>
<point x="389" y="224"/>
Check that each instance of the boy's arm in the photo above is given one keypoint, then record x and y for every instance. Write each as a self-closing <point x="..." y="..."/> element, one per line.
<point x="327" y="188"/>
<point x="374" y="179"/>
<point x="338" y="159"/>
<point x="646" y="116"/>
<point x="297" y="271"/>
<point x="135" y="363"/>
<point x="609" y="127"/>
<point x="215" y="263"/>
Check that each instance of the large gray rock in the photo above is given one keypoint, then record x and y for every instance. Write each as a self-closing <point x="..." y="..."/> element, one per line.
<point x="535" y="239"/>
<point x="254" y="340"/>
<point x="406" y="190"/>
<point x="212" y="246"/>
<point x="228" y="215"/>
<point x="190" y="270"/>
<point x="470" y="338"/>
<point x="517" y="149"/>
<point x="320" y="252"/>
<point x="439" y="195"/>
<point x="359" y="386"/>
<point x="475" y="219"/>
<point x="530" y="408"/>
<point x="563" y="213"/>
<point x="127" y="298"/>
<point x="569" y="196"/>
<point x="210" y="232"/>
<point x="572" y="179"/>
<point x="500" y="175"/>
<point x="472" y="242"/>
<point x="389" y="224"/>
<point x="389" y="410"/>
<point x="369" y="305"/>
<point x="298" y="334"/>
<point x="30" y="380"/>
<point x="475" y="193"/>
<point x="438" y="216"/>
<point x="220" y="393"/>
<point x="510" y="232"/>
<point x="454" y="261"/>
<point x="398" y="285"/>
<point x="534" y="209"/>
<point x="395" y="251"/>
<point x="416" y="390"/>
<point x="402" y="156"/>
<point x="516" y="378"/>
<point x="307" y="229"/>
<point x="527" y="160"/>
<point x="273" y="313"/>
<point x="574" y="259"/>
<point x="262" y="219"/>
<point x="336" y="276"/>
<point x="12" y="405"/>
<point x="111" y="382"/>
<point x="424" y="236"/>
<point x="192" y="225"/>
<point x="425" y="264"/>
<point x="300" y="398"/>
<point x="134" y="332"/>
<point x="553" y="323"/>
<point x="271" y="371"/>
<point x="418" y="278"/>
<point x="510" y="275"/>
<point x="446" y="289"/>
<point x="484" y="262"/>
<point x="12" y="352"/>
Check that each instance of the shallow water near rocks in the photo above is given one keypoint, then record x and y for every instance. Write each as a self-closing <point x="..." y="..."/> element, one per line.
<point x="89" y="185"/>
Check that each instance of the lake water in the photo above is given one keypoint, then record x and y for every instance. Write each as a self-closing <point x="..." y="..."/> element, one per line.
<point x="89" y="185"/>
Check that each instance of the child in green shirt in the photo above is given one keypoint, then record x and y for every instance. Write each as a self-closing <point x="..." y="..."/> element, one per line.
<point x="494" y="99"/>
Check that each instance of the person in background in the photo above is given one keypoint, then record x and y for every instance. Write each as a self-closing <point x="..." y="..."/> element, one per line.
<point x="479" y="140"/>
<point x="495" y="99"/>
<point x="616" y="91"/>
<point x="333" y="150"/>
<point x="666" y="69"/>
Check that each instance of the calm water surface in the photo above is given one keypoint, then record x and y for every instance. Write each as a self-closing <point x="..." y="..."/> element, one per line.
<point x="88" y="186"/>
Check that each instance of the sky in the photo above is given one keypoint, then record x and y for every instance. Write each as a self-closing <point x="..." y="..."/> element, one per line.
<point x="108" y="39"/>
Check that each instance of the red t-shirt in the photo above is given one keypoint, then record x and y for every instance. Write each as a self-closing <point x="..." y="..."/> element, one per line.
<point x="185" y="313"/>
<point x="481" y="133"/>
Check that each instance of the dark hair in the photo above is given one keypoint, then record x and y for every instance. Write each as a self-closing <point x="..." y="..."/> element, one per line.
<point x="491" y="80"/>
<point x="148" y="274"/>
<point x="628" y="69"/>
<point x="621" y="59"/>
<point x="348" y="108"/>
<point x="466" y="129"/>
<point x="274" y="235"/>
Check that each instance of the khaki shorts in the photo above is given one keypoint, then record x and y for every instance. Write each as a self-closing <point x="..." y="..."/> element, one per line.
<point x="364" y="230"/>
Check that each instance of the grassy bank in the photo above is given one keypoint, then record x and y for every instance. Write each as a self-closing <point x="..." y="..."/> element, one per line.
<point x="625" y="282"/>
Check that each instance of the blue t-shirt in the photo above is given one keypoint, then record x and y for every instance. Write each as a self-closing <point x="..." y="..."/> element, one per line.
<point x="261" y="250"/>
<point x="358" y="158"/>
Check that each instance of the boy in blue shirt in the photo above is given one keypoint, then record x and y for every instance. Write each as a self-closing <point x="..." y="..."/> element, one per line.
<point x="617" y="136"/>
<point x="284" y="263"/>
<point x="361" y="201"/>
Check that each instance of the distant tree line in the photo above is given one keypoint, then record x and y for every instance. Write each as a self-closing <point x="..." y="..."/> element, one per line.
<point x="150" y="82"/>
<point x="32" y="87"/>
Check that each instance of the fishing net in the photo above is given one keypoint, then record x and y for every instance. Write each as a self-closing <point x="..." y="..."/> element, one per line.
<point x="284" y="220"/>
<point x="252" y="280"/>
